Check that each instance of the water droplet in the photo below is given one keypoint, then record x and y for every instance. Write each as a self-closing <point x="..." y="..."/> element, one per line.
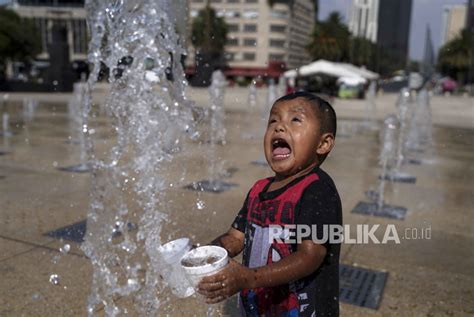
<point x="132" y="282"/>
<point x="54" y="279"/>
<point x="55" y="164"/>
<point x="200" y="204"/>
<point x="65" y="249"/>
<point x="56" y="259"/>
<point x="36" y="297"/>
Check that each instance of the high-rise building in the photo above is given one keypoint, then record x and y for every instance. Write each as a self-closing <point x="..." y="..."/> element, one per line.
<point x="363" y="19"/>
<point x="261" y="36"/>
<point x="470" y="17"/>
<point x="385" y="22"/>
<point x="454" y="20"/>
<point x="393" y="30"/>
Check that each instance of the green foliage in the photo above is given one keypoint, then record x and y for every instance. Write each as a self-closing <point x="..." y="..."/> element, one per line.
<point x="363" y="52"/>
<point x="330" y="40"/>
<point x="18" y="37"/>
<point x="209" y="32"/>
<point x="456" y="57"/>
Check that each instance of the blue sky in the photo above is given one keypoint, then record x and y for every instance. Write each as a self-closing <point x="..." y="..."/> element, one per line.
<point x="424" y="12"/>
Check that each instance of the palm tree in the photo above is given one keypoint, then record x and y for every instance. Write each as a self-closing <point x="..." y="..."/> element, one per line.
<point x="456" y="57"/>
<point x="330" y="40"/>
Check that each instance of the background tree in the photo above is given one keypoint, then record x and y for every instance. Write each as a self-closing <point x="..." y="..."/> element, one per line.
<point x="208" y="36"/>
<point x="19" y="40"/>
<point x="330" y="40"/>
<point x="456" y="57"/>
<point x="363" y="52"/>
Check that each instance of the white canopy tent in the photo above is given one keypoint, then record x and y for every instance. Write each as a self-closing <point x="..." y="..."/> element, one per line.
<point x="362" y="71"/>
<point x="339" y="70"/>
<point x="352" y="81"/>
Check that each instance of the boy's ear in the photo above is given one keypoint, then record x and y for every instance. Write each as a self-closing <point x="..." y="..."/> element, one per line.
<point x="326" y="144"/>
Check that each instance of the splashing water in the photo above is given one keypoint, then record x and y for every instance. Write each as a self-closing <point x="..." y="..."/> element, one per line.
<point x="217" y="92"/>
<point x="76" y="119"/>
<point x="149" y="113"/>
<point x="387" y="154"/>
<point x="54" y="279"/>
<point x="281" y="86"/>
<point x="218" y="131"/>
<point x="29" y="109"/>
<point x="370" y="106"/>
<point x="65" y="249"/>
<point x="252" y="103"/>
<point x="6" y="125"/>
<point x="252" y="97"/>
<point x="420" y="134"/>
<point x="271" y="97"/>
<point x="404" y="104"/>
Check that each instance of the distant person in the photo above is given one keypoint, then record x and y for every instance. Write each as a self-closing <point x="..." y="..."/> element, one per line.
<point x="279" y="277"/>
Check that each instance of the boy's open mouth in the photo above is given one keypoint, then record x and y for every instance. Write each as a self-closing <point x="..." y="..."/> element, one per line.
<point x="280" y="149"/>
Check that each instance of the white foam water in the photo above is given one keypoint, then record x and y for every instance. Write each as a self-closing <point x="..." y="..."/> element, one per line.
<point x="136" y="43"/>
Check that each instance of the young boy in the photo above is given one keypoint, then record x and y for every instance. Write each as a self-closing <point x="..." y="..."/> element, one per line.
<point x="278" y="278"/>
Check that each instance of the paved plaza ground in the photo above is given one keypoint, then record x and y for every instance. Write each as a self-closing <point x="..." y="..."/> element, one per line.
<point x="426" y="277"/>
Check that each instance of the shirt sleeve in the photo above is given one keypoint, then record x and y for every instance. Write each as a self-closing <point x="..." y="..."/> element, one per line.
<point x="240" y="222"/>
<point x="318" y="207"/>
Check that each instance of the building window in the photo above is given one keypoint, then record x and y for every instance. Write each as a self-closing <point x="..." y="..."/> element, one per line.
<point x="249" y="56"/>
<point x="232" y="27"/>
<point x="250" y="14"/>
<point x="250" y="28"/>
<point x="216" y="1"/>
<point x="229" y="56"/>
<point x="79" y="36"/>
<point x="250" y="42"/>
<point x="232" y="14"/>
<point x="251" y="1"/>
<point x="278" y="14"/>
<point x="277" y="28"/>
<point x="232" y="42"/>
<point x="277" y="43"/>
<point x="276" y="57"/>
<point x="198" y="1"/>
<point x="233" y="1"/>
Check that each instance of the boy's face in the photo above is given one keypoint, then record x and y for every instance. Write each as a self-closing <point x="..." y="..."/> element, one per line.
<point x="292" y="137"/>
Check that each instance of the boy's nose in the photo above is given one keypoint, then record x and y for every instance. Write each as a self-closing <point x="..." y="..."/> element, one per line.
<point x="280" y="127"/>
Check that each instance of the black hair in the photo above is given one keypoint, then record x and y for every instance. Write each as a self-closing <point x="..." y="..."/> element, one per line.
<point x="325" y="112"/>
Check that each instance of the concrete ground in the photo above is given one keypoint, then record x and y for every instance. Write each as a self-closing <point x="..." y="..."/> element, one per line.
<point x="426" y="277"/>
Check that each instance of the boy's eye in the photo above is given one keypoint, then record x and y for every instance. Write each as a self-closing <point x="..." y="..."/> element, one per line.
<point x="271" y="121"/>
<point x="296" y="119"/>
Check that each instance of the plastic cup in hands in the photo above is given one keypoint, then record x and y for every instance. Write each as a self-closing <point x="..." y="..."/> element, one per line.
<point x="173" y="274"/>
<point x="204" y="261"/>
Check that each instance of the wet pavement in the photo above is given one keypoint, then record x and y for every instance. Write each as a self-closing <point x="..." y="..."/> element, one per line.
<point x="426" y="277"/>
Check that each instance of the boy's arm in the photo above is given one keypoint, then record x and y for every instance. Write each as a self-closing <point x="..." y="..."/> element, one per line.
<point x="236" y="277"/>
<point x="232" y="241"/>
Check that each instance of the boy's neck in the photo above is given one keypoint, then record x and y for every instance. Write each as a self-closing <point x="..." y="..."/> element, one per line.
<point x="281" y="181"/>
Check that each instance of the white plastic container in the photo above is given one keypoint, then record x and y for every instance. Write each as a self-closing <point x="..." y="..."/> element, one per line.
<point x="172" y="272"/>
<point x="204" y="261"/>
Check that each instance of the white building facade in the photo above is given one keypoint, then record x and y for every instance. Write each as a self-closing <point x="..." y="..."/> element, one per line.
<point x="260" y="36"/>
<point x="453" y="21"/>
<point x="363" y="19"/>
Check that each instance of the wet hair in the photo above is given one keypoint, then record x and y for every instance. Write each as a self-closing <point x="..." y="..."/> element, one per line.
<point x="324" y="111"/>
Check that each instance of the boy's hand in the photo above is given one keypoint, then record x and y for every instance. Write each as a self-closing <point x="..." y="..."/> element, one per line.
<point x="232" y="279"/>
